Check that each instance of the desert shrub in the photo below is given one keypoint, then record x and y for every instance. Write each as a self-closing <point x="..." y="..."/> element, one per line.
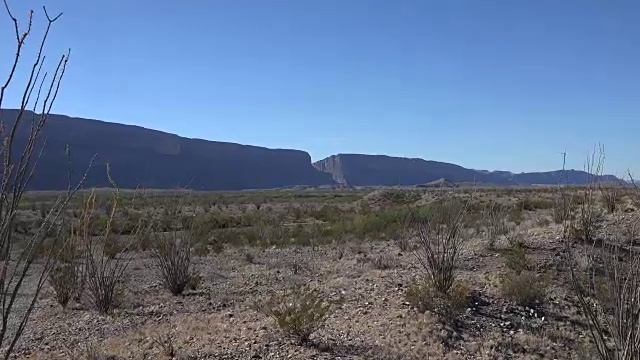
<point x="516" y="215"/>
<point x="378" y="225"/>
<point x="104" y="266"/>
<point x="516" y="259"/>
<point x="128" y="224"/>
<point x="400" y="197"/>
<point x="524" y="288"/>
<point x="298" y="313"/>
<point x="327" y="213"/>
<point x="440" y="238"/>
<point x="587" y="222"/>
<point x="610" y="296"/>
<point x="561" y="210"/>
<point x="606" y="282"/>
<point x="424" y="296"/>
<point x="67" y="280"/>
<point x="61" y="248"/>
<point x="195" y="281"/>
<point x="201" y="249"/>
<point x="582" y="225"/>
<point x="112" y="246"/>
<point x="515" y="236"/>
<point x="611" y="196"/>
<point x="404" y="243"/>
<point x="384" y="261"/>
<point x="534" y="203"/>
<point x="172" y="256"/>
<point x="495" y="220"/>
<point x="165" y="342"/>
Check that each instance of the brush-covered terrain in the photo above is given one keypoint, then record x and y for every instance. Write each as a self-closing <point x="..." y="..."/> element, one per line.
<point x="486" y="273"/>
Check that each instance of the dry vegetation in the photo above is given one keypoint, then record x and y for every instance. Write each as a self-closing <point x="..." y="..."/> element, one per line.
<point x="330" y="274"/>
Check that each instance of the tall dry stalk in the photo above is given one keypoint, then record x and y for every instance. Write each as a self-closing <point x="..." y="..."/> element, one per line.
<point x="606" y="281"/>
<point x="584" y="224"/>
<point x="105" y="269"/>
<point x="21" y="275"/>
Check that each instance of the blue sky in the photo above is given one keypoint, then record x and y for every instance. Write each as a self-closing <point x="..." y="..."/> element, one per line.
<point x="485" y="84"/>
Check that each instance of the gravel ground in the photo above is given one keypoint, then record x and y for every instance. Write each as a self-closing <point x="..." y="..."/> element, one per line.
<point x="374" y="321"/>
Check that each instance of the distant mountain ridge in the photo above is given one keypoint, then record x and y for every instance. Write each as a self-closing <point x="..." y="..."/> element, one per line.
<point x="141" y="157"/>
<point x="383" y="170"/>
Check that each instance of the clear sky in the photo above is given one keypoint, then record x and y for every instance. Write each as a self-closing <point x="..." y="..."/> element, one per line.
<point x="487" y="84"/>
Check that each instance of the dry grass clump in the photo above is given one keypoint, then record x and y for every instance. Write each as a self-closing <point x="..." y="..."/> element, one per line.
<point x="67" y="280"/>
<point x="525" y="288"/>
<point x="165" y="342"/>
<point x="520" y="284"/>
<point x="298" y="313"/>
<point x="172" y="257"/>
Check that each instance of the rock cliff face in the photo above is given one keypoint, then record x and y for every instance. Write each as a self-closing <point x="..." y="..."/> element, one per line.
<point x="154" y="159"/>
<point x="382" y="170"/>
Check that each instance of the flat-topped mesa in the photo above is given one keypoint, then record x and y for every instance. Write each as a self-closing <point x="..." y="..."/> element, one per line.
<point x="154" y="159"/>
